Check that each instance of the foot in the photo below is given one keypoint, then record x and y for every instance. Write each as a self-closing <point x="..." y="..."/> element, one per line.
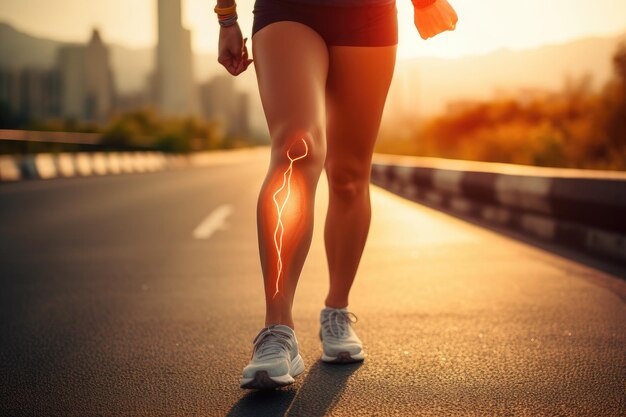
<point x="275" y="359"/>
<point x="340" y="344"/>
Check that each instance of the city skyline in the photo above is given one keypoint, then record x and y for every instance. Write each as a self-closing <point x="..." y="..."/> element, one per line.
<point x="80" y="83"/>
<point x="483" y="27"/>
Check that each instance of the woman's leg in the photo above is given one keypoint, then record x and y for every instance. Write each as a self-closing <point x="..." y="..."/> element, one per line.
<point x="358" y="82"/>
<point x="291" y="63"/>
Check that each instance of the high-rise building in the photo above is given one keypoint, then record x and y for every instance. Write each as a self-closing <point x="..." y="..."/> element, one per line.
<point x="39" y="94"/>
<point x="10" y="88"/>
<point x="174" y="85"/>
<point x="30" y="93"/>
<point x="99" y="84"/>
<point x="240" y="122"/>
<point x="71" y="64"/>
<point x="218" y="98"/>
<point x="87" y="86"/>
<point x="222" y="102"/>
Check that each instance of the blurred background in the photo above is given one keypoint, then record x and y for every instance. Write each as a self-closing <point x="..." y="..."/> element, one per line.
<point x="533" y="82"/>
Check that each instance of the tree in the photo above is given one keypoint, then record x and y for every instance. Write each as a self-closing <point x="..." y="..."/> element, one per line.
<point x="616" y="126"/>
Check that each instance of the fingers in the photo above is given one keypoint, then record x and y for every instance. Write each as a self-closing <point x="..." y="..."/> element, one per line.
<point x="222" y="60"/>
<point x="230" y="63"/>
<point x="448" y="16"/>
<point x="235" y="63"/>
<point x="246" y="60"/>
<point x="240" y="64"/>
<point x="432" y="21"/>
<point x="425" y="26"/>
<point x="245" y="49"/>
<point x="243" y="61"/>
<point x="455" y="18"/>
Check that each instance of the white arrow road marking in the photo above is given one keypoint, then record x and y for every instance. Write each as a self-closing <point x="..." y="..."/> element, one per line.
<point x="216" y="220"/>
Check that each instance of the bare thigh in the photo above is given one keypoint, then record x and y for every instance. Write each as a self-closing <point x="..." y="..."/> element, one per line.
<point x="356" y="91"/>
<point x="291" y="64"/>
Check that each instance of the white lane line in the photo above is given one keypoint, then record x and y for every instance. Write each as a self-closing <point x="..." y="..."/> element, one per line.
<point x="216" y="220"/>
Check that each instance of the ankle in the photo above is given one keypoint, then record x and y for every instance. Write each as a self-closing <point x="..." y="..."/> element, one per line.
<point x="287" y="322"/>
<point x="335" y="303"/>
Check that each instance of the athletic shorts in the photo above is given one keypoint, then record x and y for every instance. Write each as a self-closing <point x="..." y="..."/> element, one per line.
<point x="363" y="25"/>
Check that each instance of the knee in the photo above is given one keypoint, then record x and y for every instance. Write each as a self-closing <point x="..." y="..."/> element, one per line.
<point x="307" y="144"/>
<point x="348" y="183"/>
<point x="306" y="147"/>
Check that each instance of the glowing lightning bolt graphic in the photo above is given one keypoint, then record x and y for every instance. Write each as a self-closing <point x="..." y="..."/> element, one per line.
<point x="280" y="228"/>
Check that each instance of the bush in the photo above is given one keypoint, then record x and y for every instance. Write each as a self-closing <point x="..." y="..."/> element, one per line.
<point x="571" y="128"/>
<point x="145" y="129"/>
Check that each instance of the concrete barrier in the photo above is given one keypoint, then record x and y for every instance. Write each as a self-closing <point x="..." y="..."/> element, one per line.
<point x="45" y="165"/>
<point x="99" y="163"/>
<point x="585" y="209"/>
<point x="28" y="167"/>
<point x="126" y="162"/>
<point x="84" y="165"/>
<point x="139" y="161"/>
<point x="65" y="164"/>
<point x="177" y="161"/>
<point x="113" y="163"/>
<point x="9" y="168"/>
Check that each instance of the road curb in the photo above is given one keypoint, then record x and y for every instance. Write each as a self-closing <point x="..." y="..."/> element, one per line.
<point x="582" y="209"/>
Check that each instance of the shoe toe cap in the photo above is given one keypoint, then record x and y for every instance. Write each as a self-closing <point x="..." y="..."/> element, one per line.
<point x="273" y="368"/>
<point x="336" y="349"/>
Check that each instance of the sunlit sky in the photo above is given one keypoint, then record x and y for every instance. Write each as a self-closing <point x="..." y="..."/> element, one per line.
<point x="484" y="25"/>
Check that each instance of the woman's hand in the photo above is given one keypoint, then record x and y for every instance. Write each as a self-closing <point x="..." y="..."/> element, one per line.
<point x="434" y="19"/>
<point x="232" y="50"/>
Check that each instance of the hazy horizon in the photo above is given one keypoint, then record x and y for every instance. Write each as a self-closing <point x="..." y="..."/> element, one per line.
<point x="133" y="24"/>
<point x="618" y="34"/>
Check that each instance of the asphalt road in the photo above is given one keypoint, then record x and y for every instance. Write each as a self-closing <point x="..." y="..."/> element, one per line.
<point x="119" y="297"/>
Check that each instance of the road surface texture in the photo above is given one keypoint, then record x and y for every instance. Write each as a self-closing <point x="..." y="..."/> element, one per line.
<point x="141" y="294"/>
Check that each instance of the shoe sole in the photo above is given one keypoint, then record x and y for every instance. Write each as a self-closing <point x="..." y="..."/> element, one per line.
<point x="344" y="357"/>
<point x="262" y="380"/>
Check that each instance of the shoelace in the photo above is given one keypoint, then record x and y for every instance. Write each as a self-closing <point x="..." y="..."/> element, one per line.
<point x="270" y="342"/>
<point x="337" y="323"/>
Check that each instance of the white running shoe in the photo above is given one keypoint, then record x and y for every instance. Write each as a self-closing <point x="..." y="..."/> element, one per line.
<point x="275" y="359"/>
<point x="340" y="344"/>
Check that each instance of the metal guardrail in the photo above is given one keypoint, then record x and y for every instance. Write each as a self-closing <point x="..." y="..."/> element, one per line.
<point x="25" y="142"/>
<point x="51" y="137"/>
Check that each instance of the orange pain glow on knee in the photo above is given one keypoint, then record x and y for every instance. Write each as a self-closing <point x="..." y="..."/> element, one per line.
<point x="280" y="228"/>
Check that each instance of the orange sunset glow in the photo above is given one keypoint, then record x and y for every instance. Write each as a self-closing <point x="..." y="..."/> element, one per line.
<point x="313" y="207"/>
<point x="508" y="59"/>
